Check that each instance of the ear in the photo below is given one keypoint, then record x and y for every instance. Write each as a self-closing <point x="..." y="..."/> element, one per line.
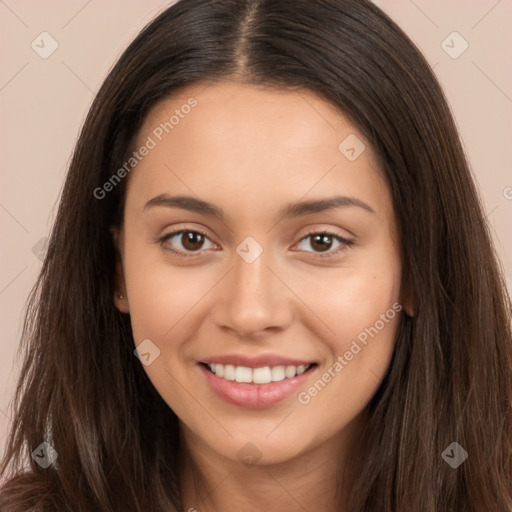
<point x="408" y="302"/>
<point x="120" y="294"/>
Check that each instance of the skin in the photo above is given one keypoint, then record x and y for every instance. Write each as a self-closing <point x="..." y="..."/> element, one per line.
<point x="251" y="150"/>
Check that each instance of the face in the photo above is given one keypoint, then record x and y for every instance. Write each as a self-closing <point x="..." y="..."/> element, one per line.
<point x="259" y="238"/>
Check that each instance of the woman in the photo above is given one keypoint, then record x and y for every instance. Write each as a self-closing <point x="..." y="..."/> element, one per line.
<point x="332" y="333"/>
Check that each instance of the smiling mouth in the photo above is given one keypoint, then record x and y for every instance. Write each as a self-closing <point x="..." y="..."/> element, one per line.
<point x="261" y="375"/>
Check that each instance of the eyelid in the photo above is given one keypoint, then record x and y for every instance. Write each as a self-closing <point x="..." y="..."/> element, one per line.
<point x="346" y="242"/>
<point x="179" y="231"/>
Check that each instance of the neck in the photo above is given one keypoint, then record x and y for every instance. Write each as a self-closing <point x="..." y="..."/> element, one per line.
<point x="312" y="480"/>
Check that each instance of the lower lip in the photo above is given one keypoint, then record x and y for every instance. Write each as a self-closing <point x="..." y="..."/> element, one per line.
<point x="255" y="396"/>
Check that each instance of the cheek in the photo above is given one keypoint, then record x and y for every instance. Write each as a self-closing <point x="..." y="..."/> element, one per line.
<point x="345" y="386"/>
<point x="164" y="302"/>
<point x="357" y="302"/>
<point x="160" y="294"/>
<point x="361" y="308"/>
<point x="352" y="298"/>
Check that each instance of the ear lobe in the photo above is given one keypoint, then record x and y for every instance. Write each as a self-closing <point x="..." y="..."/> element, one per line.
<point x="120" y="298"/>
<point x="409" y="306"/>
<point x="409" y="311"/>
<point x="408" y="302"/>
<point x="120" y="295"/>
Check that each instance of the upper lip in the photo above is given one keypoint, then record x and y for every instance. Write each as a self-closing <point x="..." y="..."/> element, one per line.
<point x="255" y="362"/>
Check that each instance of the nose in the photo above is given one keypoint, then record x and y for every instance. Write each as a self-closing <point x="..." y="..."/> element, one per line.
<point x="253" y="299"/>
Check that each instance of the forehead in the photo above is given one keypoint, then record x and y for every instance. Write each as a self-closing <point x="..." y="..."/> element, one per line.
<point x="230" y="112"/>
<point x="268" y="143"/>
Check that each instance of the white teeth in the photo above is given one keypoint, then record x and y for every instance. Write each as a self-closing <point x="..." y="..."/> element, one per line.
<point x="262" y="375"/>
<point x="229" y="371"/>
<point x="301" y="369"/>
<point x="277" y="373"/>
<point x="290" y="371"/>
<point x="243" y="374"/>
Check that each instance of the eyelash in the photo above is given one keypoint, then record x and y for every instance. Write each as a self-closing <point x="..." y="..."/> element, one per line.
<point x="345" y="242"/>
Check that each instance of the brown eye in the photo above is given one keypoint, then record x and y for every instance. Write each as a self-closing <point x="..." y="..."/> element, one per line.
<point x="322" y="242"/>
<point x="192" y="240"/>
<point x="184" y="241"/>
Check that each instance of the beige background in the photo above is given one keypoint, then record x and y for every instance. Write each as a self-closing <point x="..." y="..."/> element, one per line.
<point x="43" y="103"/>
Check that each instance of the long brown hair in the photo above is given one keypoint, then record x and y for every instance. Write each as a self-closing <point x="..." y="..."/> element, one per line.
<point x="82" y="390"/>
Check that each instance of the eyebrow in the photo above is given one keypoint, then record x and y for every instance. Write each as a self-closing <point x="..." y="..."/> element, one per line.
<point x="293" y="210"/>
